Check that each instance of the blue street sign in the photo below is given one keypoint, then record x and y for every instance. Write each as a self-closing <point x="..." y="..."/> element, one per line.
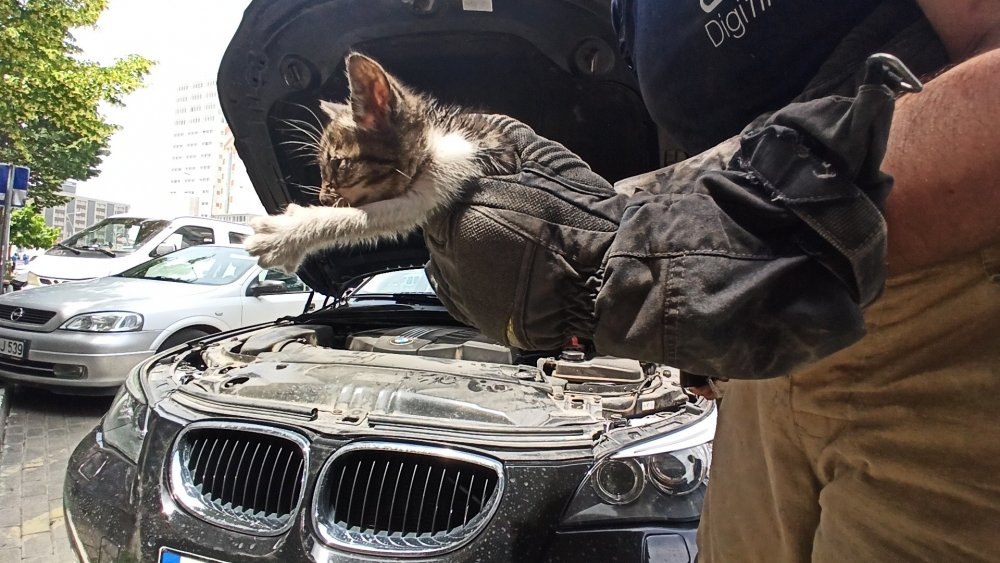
<point x="21" y="174"/>
<point x="20" y="177"/>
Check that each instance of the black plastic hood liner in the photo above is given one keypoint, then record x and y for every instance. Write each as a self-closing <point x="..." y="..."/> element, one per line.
<point x="552" y="64"/>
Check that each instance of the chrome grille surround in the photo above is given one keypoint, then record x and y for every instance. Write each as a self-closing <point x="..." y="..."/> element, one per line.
<point x="335" y="532"/>
<point x="25" y="315"/>
<point x="190" y="494"/>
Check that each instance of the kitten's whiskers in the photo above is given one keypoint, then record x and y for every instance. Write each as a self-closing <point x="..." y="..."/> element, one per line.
<point x="309" y="149"/>
<point x="306" y="128"/>
<point x="305" y="188"/>
<point x="319" y="122"/>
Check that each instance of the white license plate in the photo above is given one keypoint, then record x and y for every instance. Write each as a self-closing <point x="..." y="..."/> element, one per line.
<point x="13" y="348"/>
<point x="172" y="556"/>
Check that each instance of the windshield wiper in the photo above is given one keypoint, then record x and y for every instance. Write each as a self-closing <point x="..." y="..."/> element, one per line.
<point x="69" y="248"/>
<point x="165" y="278"/>
<point x="104" y="251"/>
<point x="91" y="247"/>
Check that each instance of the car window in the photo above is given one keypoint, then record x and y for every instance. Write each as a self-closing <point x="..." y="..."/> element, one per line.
<point x="138" y="235"/>
<point x="402" y="281"/>
<point x="291" y="282"/>
<point x="236" y="238"/>
<point x="203" y="265"/>
<point x="190" y="236"/>
<point x="121" y="235"/>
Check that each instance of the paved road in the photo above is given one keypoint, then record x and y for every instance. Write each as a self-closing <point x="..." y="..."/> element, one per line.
<point x="42" y="430"/>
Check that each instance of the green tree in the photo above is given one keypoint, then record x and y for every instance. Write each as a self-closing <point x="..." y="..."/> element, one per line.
<point x="28" y="228"/>
<point x="50" y="94"/>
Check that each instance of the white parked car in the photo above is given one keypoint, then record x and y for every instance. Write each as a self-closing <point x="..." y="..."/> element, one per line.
<point x="123" y="241"/>
<point x="87" y="335"/>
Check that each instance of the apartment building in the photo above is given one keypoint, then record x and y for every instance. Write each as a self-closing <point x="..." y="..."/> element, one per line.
<point x="207" y="177"/>
<point x="80" y="212"/>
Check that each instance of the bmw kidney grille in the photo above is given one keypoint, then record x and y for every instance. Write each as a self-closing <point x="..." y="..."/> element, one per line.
<point x="403" y="499"/>
<point x="243" y="477"/>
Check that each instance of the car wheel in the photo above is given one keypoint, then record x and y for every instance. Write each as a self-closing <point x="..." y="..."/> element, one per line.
<point x="181" y="336"/>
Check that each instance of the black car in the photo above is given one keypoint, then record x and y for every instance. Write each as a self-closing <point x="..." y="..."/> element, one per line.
<point x="379" y="428"/>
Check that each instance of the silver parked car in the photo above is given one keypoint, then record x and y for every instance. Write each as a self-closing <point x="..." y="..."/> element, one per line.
<point x="86" y="336"/>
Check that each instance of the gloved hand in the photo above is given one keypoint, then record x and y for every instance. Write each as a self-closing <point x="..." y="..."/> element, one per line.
<point x="520" y="256"/>
<point x="743" y="262"/>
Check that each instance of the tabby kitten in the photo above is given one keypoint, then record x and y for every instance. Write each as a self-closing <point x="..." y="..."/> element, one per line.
<point x="389" y="158"/>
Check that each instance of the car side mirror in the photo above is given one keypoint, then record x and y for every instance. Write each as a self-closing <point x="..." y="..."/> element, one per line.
<point x="161" y="249"/>
<point x="267" y="287"/>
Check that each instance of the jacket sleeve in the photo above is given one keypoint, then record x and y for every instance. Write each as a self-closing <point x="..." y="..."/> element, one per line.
<point x="759" y="255"/>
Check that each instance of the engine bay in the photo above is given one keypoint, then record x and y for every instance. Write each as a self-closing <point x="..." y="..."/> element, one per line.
<point x="431" y="371"/>
<point x="626" y="387"/>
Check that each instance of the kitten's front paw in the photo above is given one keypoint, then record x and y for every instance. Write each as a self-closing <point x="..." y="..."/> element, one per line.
<point x="274" y="243"/>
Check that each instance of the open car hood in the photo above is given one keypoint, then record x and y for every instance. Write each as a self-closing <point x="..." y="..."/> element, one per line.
<point x="552" y="64"/>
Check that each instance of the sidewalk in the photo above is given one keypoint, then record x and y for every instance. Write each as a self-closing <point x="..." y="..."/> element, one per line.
<point x="41" y="431"/>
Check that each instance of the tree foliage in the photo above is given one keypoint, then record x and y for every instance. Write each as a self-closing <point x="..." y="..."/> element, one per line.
<point x="50" y="94"/>
<point x="28" y="228"/>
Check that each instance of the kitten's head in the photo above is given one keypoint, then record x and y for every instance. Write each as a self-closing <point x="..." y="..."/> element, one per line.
<point x="375" y="144"/>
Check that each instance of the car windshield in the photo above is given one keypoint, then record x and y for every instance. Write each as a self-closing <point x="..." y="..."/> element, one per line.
<point x="202" y="265"/>
<point x="120" y="235"/>
<point x="394" y="283"/>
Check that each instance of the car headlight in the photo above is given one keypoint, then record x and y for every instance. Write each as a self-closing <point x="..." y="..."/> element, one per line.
<point x="124" y="425"/>
<point x="111" y="321"/>
<point x="681" y="472"/>
<point x="663" y="479"/>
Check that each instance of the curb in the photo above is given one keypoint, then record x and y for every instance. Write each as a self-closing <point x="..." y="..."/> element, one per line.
<point x="5" y="393"/>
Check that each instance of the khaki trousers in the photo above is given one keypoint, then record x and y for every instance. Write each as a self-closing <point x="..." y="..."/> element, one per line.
<point x="887" y="451"/>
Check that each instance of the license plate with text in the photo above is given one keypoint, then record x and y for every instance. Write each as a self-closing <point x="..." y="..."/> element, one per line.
<point x="13" y="348"/>
<point x="171" y="556"/>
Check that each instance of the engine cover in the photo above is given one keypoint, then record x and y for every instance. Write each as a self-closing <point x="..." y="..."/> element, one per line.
<point x="433" y="341"/>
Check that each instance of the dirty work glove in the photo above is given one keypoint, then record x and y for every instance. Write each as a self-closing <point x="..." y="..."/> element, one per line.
<point x="743" y="262"/>
<point x="520" y="256"/>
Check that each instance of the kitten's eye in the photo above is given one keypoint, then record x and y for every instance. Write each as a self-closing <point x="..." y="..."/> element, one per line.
<point x="335" y="164"/>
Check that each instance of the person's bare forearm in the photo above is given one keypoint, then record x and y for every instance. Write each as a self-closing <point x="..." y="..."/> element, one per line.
<point x="943" y="154"/>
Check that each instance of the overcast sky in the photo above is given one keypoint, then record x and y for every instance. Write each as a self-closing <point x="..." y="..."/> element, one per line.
<point x="187" y="39"/>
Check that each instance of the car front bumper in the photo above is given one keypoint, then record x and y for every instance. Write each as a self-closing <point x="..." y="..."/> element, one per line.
<point x="67" y="359"/>
<point x="119" y="512"/>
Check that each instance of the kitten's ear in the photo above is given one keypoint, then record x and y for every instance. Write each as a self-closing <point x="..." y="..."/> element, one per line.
<point x="373" y="97"/>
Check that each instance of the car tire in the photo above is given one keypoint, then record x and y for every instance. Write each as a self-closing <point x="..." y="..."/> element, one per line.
<point x="181" y="336"/>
